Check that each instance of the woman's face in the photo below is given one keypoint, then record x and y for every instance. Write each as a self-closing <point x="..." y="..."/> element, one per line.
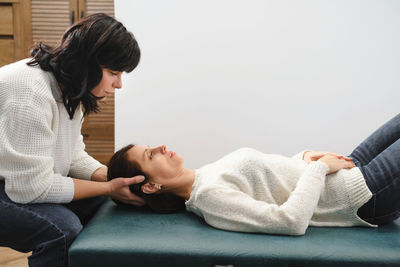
<point x="110" y="81"/>
<point x="158" y="163"/>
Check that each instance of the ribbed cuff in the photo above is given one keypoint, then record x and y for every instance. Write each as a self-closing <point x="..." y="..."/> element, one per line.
<point x="85" y="169"/>
<point x="61" y="191"/>
<point x="300" y="155"/>
<point x="318" y="167"/>
<point x="355" y="183"/>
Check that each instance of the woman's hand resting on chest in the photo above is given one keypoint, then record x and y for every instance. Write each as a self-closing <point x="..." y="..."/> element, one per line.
<point x="336" y="163"/>
<point x="309" y="156"/>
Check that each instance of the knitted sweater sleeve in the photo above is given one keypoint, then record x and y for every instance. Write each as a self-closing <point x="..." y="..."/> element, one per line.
<point x="300" y="155"/>
<point x="83" y="165"/>
<point x="26" y="161"/>
<point x="230" y="209"/>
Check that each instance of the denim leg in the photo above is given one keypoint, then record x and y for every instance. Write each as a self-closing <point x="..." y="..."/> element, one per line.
<point x="382" y="175"/>
<point x="377" y="142"/>
<point x="45" y="229"/>
<point x="86" y="208"/>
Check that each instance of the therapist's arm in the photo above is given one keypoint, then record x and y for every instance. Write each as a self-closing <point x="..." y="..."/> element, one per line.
<point x="100" y="175"/>
<point x="117" y="188"/>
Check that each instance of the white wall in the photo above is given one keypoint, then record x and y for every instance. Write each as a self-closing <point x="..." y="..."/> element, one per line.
<point x="278" y="76"/>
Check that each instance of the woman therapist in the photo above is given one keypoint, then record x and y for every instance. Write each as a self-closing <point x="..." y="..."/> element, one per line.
<point x="49" y="185"/>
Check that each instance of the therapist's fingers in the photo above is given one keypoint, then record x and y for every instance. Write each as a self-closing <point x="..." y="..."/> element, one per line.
<point x="134" y="180"/>
<point x="133" y="198"/>
<point x="136" y="200"/>
<point x="120" y="190"/>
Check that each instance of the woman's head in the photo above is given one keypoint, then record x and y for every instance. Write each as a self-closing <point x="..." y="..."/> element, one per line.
<point x="160" y="167"/>
<point x="96" y="45"/>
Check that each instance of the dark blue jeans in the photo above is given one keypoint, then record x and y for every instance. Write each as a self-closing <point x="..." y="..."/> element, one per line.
<point x="45" y="229"/>
<point x="378" y="158"/>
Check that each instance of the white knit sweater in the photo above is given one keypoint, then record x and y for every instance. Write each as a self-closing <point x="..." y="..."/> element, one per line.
<point x="249" y="191"/>
<point x="39" y="145"/>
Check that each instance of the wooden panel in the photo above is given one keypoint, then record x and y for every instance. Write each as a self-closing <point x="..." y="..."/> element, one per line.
<point x="26" y="21"/>
<point x="8" y="257"/>
<point x="21" y="19"/>
<point x="100" y="6"/>
<point x="94" y="131"/>
<point x="101" y="150"/>
<point x="7" y="51"/>
<point x="98" y="132"/>
<point x="82" y="9"/>
<point x="50" y="19"/>
<point x="6" y="20"/>
<point x="18" y="32"/>
<point x="100" y="127"/>
<point x="106" y="114"/>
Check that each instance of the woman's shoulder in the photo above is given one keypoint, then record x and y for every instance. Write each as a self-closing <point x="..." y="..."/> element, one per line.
<point x="18" y="68"/>
<point x="24" y="84"/>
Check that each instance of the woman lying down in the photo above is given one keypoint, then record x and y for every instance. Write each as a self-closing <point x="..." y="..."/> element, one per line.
<point x="249" y="191"/>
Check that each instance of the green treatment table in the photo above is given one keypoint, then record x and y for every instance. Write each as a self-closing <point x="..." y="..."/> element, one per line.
<point x="119" y="236"/>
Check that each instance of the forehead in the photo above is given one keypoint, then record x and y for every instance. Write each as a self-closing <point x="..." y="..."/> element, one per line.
<point x="136" y="153"/>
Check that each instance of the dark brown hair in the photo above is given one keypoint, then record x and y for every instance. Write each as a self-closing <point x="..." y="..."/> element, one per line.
<point x="120" y="166"/>
<point x="97" y="41"/>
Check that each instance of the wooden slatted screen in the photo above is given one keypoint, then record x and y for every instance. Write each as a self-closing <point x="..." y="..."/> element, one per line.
<point x="99" y="128"/>
<point x="96" y="6"/>
<point x="49" y="20"/>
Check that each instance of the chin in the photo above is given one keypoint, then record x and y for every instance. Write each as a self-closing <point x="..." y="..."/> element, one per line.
<point x="179" y="158"/>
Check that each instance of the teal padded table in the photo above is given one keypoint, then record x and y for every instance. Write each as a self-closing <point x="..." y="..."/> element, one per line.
<point x="137" y="237"/>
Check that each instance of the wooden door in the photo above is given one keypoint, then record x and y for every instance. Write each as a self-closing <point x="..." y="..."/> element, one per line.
<point x="15" y="30"/>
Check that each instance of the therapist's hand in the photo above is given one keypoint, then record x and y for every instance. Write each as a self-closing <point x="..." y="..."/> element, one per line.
<point x="119" y="190"/>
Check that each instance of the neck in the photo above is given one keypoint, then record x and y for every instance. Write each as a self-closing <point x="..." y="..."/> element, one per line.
<point x="183" y="188"/>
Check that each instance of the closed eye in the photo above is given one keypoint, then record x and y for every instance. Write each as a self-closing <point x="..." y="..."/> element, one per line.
<point x="151" y="155"/>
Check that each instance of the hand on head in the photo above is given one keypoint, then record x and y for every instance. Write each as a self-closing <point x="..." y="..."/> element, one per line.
<point x="120" y="190"/>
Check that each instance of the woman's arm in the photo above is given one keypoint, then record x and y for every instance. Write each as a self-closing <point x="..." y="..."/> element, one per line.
<point x="117" y="189"/>
<point x="82" y="164"/>
<point x="100" y="175"/>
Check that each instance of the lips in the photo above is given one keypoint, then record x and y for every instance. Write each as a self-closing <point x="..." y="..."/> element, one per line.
<point x="172" y="153"/>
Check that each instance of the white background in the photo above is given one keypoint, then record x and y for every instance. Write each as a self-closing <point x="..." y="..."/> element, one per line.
<point x="278" y="76"/>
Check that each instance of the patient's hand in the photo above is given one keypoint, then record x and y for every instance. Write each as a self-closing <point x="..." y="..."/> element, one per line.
<point x="336" y="164"/>
<point x="119" y="190"/>
<point x="316" y="155"/>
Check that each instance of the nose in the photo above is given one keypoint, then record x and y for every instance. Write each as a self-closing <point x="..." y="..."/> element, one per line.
<point x="162" y="149"/>
<point x="118" y="82"/>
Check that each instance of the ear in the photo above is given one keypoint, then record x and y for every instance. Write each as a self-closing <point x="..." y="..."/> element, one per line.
<point x="150" y="188"/>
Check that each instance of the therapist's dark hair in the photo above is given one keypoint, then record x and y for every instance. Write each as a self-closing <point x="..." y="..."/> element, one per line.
<point x="97" y="41"/>
<point x="120" y="166"/>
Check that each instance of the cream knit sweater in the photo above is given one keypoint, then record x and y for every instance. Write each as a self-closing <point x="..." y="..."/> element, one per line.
<point x="249" y="191"/>
<point x="39" y="145"/>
